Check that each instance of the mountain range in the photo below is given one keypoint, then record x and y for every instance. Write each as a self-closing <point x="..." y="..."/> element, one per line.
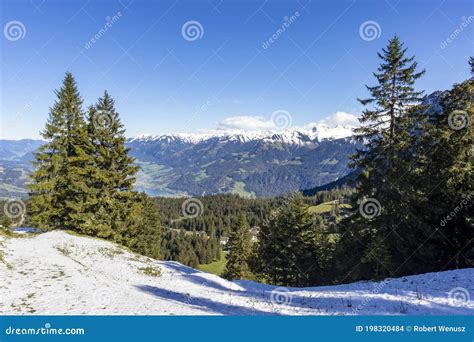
<point x="264" y="163"/>
<point x="249" y="163"/>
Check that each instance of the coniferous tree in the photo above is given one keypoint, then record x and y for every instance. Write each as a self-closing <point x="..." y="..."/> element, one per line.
<point x="240" y="248"/>
<point x="390" y="168"/>
<point x="285" y="247"/>
<point x="60" y="196"/>
<point x="120" y="212"/>
<point x="114" y="170"/>
<point x="84" y="177"/>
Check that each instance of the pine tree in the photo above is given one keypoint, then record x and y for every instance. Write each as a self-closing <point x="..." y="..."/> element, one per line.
<point x="114" y="171"/>
<point x="240" y="248"/>
<point x="60" y="197"/>
<point x="390" y="166"/>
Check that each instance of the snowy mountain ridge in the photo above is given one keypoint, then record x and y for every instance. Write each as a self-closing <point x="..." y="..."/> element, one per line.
<point x="58" y="273"/>
<point x="291" y="136"/>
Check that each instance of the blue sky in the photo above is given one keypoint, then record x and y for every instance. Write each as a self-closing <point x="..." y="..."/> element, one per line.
<point x="163" y="83"/>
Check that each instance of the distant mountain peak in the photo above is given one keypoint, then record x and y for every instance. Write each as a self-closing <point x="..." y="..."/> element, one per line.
<point x="292" y="135"/>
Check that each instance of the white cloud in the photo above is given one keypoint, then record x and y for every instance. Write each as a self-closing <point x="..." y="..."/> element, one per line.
<point x="247" y="123"/>
<point x="341" y="119"/>
<point x="258" y="123"/>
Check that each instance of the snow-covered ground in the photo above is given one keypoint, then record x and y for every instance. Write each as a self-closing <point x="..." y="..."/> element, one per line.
<point x="59" y="273"/>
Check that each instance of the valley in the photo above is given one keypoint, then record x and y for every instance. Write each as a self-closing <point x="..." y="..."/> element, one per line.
<point x="264" y="164"/>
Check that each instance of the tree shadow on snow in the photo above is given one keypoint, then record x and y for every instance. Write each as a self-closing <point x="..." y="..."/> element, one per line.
<point x="349" y="302"/>
<point x="202" y="303"/>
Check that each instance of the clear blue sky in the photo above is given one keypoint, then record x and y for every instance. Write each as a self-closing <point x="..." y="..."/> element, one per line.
<point x="164" y="83"/>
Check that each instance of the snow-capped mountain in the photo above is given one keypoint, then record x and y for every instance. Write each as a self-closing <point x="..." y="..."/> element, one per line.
<point x="292" y="136"/>
<point x="261" y="163"/>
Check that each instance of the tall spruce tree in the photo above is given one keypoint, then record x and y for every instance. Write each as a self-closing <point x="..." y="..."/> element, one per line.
<point x="120" y="212"/>
<point x="60" y="196"/>
<point x="84" y="177"/>
<point x="390" y="167"/>
<point x="240" y="248"/>
<point x="114" y="172"/>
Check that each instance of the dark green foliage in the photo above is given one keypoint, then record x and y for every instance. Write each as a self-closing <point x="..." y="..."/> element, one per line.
<point x="449" y="179"/>
<point x="389" y="164"/>
<point x="222" y="212"/>
<point x="293" y="249"/>
<point x="420" y="170"/>
<point x="190" y="248"/>
<point x="219" y="214"/>
<point x="114" y="172"/>
<point x="240" y="249"/>
<point x="140" y="228"/>
<point x="5" y="222"/>
<point x="83" y="179"/>
<point x="60" y="194"/>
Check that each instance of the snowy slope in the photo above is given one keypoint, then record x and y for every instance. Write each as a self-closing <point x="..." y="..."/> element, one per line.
<point x="59" y="273"/>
